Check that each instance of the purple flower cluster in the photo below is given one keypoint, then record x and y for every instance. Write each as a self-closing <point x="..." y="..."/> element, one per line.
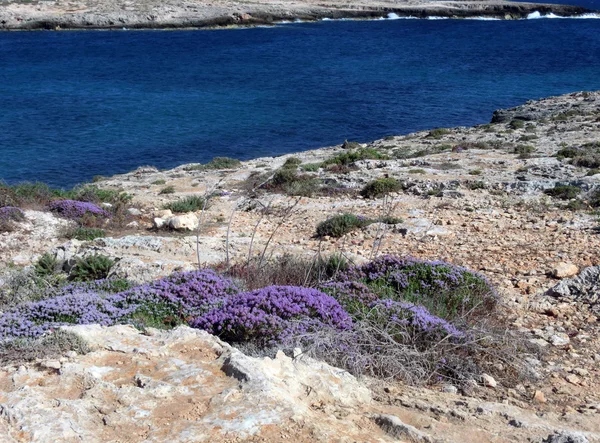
<point x="181" y="295"/>
<point x="414" y="317"/>
<point x="271" y="313"/>
<point x="448" y="290"/>
<point x="11" y="213"/>
<point x="76" y="210"/>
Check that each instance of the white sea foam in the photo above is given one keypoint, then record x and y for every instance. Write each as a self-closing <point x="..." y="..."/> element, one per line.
<point x="485" y="19"/>
<point x="393" y="16"/>
<point x="536" y="15"/>
<point x="434" y="17"/>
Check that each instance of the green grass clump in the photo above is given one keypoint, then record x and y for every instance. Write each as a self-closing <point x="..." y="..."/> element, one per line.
<point x="563" y="192"/>
<point x="87" y="234"/>
<point x="380" y="187"/>
<point x="340" y="225"/>
<point x="475" y="172"/>
<point x="516" y="124"/>
<point x="92" y="267"/>
<point x="417" y="171"/>
<point x="527" y="138"/>
<point x="311" y="167"/>
<point x="347" y="158"/>
<point x="292" y="163"/>
<point x="524" y="151"/>
<point x="593" y="172"/>
<point x="438" y="133"/>
<point x="217" y="163"/>
<point x="46" y="265"/>
<point x="159" y="182"/>
<point x="167" y="190"/>
<point x="191" y="203"/>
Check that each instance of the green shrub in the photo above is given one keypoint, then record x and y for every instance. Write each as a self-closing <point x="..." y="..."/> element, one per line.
<point x="292" y="163"/>
<point x="380" y="187"/>
<point x="87" y="234"/>
<point x="593" y="172"/>
<point x="340" y="225"/>
<point x="475" y="172"/>
<point x="524" y="151"/>
<point x="563" y="192"/>
<point x="159" y="182"/>
<point x="54" y="345"/>
<point x="191" y="203"/>
<point x="350" y="145"/>
<point x="311" y="167"/>
<point x="92" y="267"/>
<point x="594" y="199"/>
<point x="347" y="158"/>
<point x="438" y="133"/>
<point x="217" y="163"/>
<point x="476" y="185"/>
<point x="46" y="265"/>
<point x="527" y="138"/>
<point x="417" y="171"/>
<point x="288" y="181"/>
<point x="586" y="160"/>
<point x="167" y="190"/>
<point x="516" y="124"/>
<point x="389" y="220"/>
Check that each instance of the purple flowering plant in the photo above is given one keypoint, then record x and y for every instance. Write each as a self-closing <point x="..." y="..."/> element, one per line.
<point x="11" y="213"/>
<point x="272" y="313"/>
<point x="446" y="290"/>
<point x="76" y="210"/>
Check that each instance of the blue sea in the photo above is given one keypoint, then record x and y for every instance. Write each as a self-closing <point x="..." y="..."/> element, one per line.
<point x="76" y="104"/>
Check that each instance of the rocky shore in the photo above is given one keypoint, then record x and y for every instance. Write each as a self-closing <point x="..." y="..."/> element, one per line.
<point x="118" y="14"/>
<point x="515" y="199"/>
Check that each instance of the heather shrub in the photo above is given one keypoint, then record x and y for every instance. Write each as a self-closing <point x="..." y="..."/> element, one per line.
<point x="380" y="187"/>
<point x="287" y="270"/>
<point x="76" y="210"/>
<point x="9" y="215"/>
<point x="91" y="267"/>
<point x="516" y="124"/>
<point x="287" y="180"/>
<point x="447" y="291"/>
<point x="53" y="345"/>
<point x="563" y="192"/>
<point x="272" y="313"/>
<point x="340" y="225"/>
<point x="191" y="203"/>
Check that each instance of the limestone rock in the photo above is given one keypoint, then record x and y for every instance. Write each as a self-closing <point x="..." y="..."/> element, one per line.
<point x="396" y="428"/>
<point x="184" y="222"/>
<point x="488" y="380"/>
<point x="584" y="288"/>
<point x="564" y="270"/>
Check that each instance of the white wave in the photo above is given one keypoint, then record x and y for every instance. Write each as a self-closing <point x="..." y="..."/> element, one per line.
<point x="485" y="19"/>
<point x="434" y="17"/>
<point x="326" y="19"/>
<point x="298" y="21"/>
<point x="536" y="15"/>
<point x="393" y="16"/>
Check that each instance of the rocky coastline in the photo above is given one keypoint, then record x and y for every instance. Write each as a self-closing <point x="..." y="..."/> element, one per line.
<point x="515" y="200"/>
<point x="190" y="14"/>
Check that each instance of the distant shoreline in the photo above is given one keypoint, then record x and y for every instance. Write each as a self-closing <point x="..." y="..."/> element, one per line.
<point x="182" y="14"/>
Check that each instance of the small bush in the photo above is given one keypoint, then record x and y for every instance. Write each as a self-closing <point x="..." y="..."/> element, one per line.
<point x="46" y="265"/>
<point x="417" y="171"/>
<point x="563" y="192"/>
<point x="9" y="215"/>
<point x="438" y="133"/>
<point x="593" y="172"/>
<point x="340" y="225"/>
<point x="86" y="234"/>
<point x="380" y="187"/>
<point x="516" y="124"/>
<point x="288" y="181"/>
<point x="594" y="199"/>
<point x="159" y="182"/>
<point x="217" y="163"/>
<point x="292" y="163"/>
<point x="191" y="203"/>
<point x="54" y="345"/>
<point x="347" y="158"/>
<point x="167" y="190"/>
<point x="92" y="267"/>
<point x="475" y="172"/>
<point x="586" y="161"/>
<point x="524" y="151"/>
<point x="311" y="167"/>
<point x="527" y="138"/>
<point x="476" y="185"/>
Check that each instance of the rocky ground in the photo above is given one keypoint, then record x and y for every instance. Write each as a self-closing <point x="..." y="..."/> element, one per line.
<point x="92" y="14"/>
<point x="471" y="196"/>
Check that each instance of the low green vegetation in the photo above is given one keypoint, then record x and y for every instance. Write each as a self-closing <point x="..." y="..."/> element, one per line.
<point x="92" y="267"/>
<point x="475" y="172"/>
<point x="191" y="203"/>
<point x="516" y="124"/>
<point x="438" y="133"/>
<point x="86" y="234"/>
<point x="340" y="225"/>
<point x="167" y="190"/>
<point x="217" y="163"/>
<point x="380" y="187"/>
<point x="523" y="151"/>
<point x="347" y="158"/>
<point x="159" y="182"/>
<point x="292" y="163"/>
<point x="563" y="192"/>
<point x="417" y="171"/>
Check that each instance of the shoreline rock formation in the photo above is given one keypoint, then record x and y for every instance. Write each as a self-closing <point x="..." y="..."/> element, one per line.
<point x="119" y="14"/>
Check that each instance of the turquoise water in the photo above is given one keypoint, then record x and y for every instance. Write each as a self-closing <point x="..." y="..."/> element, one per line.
<point x="78" y="104"/>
